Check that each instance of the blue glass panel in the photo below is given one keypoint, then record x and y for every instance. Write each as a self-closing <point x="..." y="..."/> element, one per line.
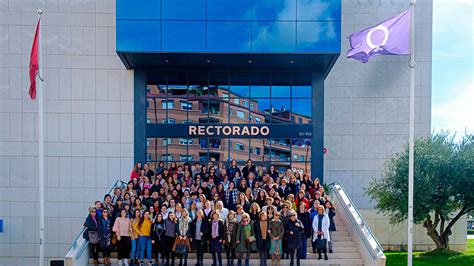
<point x="280" y="91"/>
<point x="301" y="107"/>
<point x="228" y="36"/>
<point x="319" y="10"/>
<point x="184" y="36"/>
<point x="263" y="105"/>
<point x="228" y="9"/>
<point x="127" y="9"/>
<point x="319" y="37"/>
<point x="184" y="9"/>
<point x="273" y="36"/>
<point x="138" y="35"/>
<point x="258" y="91"/>
<point x="238" y="90"/>
<point x="274" y="10"/>
<point x="301" y="91"/>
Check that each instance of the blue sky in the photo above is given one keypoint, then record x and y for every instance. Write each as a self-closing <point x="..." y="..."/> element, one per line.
<point x="453" y="72"/>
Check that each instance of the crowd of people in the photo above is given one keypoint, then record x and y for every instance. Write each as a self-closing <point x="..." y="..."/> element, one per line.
<point x="164" y="214"/>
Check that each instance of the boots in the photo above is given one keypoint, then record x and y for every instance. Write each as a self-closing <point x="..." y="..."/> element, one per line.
<point x="319" y="255"/>
<point x="325" y="256"/>
<point x="96" y="262"/>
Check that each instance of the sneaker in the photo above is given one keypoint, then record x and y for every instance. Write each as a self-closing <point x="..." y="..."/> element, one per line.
<point x="125" y="262"/>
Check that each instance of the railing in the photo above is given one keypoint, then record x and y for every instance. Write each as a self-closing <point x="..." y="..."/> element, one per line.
<point x="363" y="231"/>
<point x="79" y="244"/>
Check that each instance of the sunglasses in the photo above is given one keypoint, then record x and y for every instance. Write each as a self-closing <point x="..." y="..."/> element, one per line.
<point x="92" y="211"/>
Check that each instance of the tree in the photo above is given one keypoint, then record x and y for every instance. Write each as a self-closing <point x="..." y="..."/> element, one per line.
<point x="443" y="185"/>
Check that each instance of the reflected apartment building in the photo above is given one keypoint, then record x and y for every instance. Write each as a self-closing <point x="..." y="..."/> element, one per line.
<point x="214" y="104"/>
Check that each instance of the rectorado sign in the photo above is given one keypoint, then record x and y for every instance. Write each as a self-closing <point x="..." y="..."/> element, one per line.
<point x="229" y="130"/>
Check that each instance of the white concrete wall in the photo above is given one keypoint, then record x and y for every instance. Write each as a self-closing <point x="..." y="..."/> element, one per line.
<point x="89" y="121"/>
<point x="367" y="105"/>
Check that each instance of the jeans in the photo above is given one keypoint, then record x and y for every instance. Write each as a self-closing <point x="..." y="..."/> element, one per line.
<point x="330" y="242"/>
<point x="199" y="252"/>
<point x="263" y="253"/>
<point x="134" y="252"/>
<point x="303" y="249"/>
<point x="216" y="250"/>
<point x="144" y="242"/>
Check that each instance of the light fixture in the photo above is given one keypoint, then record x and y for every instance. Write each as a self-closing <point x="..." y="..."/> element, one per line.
<point x="208" y="61"/>
<point x="291" y="61"/>
<point x="250" y="61"/>
<point x="166" y="60"/>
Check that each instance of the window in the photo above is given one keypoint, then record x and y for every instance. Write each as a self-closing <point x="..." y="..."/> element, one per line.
<point x="258" y="120"/>
<point x="148" y="157"/>
<point x="169" y="121"/>
<point x="184" y="157"/>
<point x="183" y="141"/>
<point x="187" y="121"/>
<point x="236" y="101"/>
<point x="167" y="104"/>
<point x="301" y="158"/>
<point x="295" y="156"/>
<point x="147" y="143"/>
<point x="225" y="96"/>
<point x="293" y="118"/>
<point x="148" y="120"/>
<point x="240" y="115"/>
<point x="166" y="141"/>
<point x="239" y="146"/>
<point x="252" y="106"/>
<point x="250" y="117"/>
<point x="185" y="105"/>
<point x="251" y="150"/>
<point x="300" y="120"/>
<point x="246" y="103"/>
<point x="166" y="157"/>
<point x="257" y="151"/>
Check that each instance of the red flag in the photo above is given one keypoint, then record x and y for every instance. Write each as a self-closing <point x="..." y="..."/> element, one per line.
<point x="34" y="66"/>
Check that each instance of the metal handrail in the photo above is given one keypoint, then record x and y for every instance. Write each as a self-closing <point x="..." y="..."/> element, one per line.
<point x="366" y="235"/>
<point x="78" y="237"/>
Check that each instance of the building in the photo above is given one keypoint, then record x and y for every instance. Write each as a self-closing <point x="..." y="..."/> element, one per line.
<point x="106" y="60"/>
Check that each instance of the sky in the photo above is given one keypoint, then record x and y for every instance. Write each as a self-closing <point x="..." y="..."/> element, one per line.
<point x="453" y="71"/>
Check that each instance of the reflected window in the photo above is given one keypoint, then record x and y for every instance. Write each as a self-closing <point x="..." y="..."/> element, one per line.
<point x="239" y="146"/>
<point x="258" y="120"/>
<point x="166" y="157"/>
<point x="186" y="105"/>
<point x="240" y="114"/>
<point x="236" y="101"/>
<point x="169" y="121"/>
<point x="187" y="121"/>
<point x="167" y="104"/>
<point x="252" y="106"/>
<point x="185" y="157"/>
<point x="183" y="141"/>
<point x="301" y="91"/>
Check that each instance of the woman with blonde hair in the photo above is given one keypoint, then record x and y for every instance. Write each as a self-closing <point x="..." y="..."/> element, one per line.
<point x="245" y="240"/>
<point x="254" y="211"/>
<point x="277" y="231"/>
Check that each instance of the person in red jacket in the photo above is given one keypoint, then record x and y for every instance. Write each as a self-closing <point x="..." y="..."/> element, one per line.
<point x="136" y="171"/>
<point x="302" y="199"/>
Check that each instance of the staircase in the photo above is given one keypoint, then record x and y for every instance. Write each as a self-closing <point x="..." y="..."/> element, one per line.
<point x="353" y="242"/>
<point x="345" y="252"/>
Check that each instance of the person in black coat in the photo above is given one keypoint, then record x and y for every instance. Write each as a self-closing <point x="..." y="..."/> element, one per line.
<point x="305" y="217"/>
<point x="284" y="190"/>
<point x="331" y="212"/>
<point x="262" y="236"/>
<point x="249" y="167"/>
<point x="216" y="236"/>
<point x="92" y="225"/>
<point x="198" y="235"/>
<point x="158" y="236"/>
<point x="294" y="231"/>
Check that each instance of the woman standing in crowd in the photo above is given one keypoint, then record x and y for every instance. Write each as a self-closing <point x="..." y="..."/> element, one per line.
<point x="143" y="230"/>
<point x="254" y="211"/>
<point x="157" y="238"/>
<point x="105" y="229"/>
<point x="134" y="237"/>
<point x="305" y="218"/>
<point x="321" y="232"/>
<point x="198" y="236"/>
<point x="136" y="171"/>
<point x="330" y="212"/>
<point x="262" y="229"/>
<point x="294" y="231"/>
<point x="249" y="168"/>
<point x="182" y="236"/>
<point x="245" y="240"/>
<point x="277" y="231"/>
<point x="217" y="236"/>
<point x="122" y="230"/>
<point x="91" y="233"/>
<point x="170" y="234"/>
<point x="230" y="225"/>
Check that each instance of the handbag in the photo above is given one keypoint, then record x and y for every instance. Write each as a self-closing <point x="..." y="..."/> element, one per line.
<point x="251" y="239"/>
<point x="114" y="239"/>
<point x="181" y="249"/>
<point x="321" y="243"/>
<point x="93" y="237"/>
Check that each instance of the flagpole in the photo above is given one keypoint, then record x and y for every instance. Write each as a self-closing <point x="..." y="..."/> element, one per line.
<point x="411" y="138"/>
<point x="39" y="80"/>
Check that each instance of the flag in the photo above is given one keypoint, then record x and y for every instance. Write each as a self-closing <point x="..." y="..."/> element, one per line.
<point x="391" y="37"/>
<point x="34" y="66"/>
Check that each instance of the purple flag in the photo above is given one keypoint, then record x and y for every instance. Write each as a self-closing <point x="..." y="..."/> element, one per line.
<point x="391" y="37"/>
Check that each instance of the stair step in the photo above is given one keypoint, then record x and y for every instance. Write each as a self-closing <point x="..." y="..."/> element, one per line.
<point x="255" y="262"/>
<point x="342" y="238"/>
<point x="343" y="244"/>
<point x="339" y="253"/>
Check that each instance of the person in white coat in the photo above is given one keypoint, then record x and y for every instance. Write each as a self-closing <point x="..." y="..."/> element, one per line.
<point x="321" y="232"/>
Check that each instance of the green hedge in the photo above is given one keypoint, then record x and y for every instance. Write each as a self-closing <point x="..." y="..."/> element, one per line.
<point x="470" y="231"/>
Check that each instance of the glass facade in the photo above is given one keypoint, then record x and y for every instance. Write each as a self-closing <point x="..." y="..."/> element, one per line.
<point x="229" y="98"/>
<point x="259" y="26"/>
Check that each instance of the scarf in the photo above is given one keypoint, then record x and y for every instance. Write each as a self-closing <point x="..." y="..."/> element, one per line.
<point x="244" y="223"/>
<point x="263" y="229"/>
<point x="215" y="229"/>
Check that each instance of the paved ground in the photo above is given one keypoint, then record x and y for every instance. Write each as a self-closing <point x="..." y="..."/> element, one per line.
<point x="470" y="236"/>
